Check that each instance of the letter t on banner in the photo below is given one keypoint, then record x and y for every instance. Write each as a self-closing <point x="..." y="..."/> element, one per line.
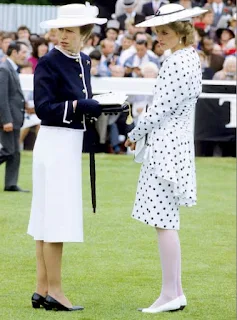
<point x="232" y="123"/>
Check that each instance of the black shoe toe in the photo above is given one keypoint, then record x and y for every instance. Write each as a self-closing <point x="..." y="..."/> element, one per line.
<point x="15" y="189"/>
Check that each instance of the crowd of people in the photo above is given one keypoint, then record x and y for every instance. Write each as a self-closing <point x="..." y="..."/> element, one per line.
<point x="122" y="50"/>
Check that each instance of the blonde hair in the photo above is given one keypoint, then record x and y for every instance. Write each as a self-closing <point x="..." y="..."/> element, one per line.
<point x="185" y="29"/>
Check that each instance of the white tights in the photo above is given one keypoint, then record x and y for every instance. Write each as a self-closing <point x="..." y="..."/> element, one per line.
<point x="170" y="257"/>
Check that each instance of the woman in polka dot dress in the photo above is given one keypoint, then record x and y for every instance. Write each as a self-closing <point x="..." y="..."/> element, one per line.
<point x="167" y="178"/>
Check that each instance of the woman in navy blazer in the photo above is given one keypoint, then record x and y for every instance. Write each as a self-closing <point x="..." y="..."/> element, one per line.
<point x="62" y="94"/>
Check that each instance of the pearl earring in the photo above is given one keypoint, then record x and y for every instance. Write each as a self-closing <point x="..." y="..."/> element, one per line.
<point x="180" y="40"/>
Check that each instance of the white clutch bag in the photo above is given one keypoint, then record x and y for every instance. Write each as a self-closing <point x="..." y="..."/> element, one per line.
<point x="141" y="144"/>
<point x="140" y="150"/>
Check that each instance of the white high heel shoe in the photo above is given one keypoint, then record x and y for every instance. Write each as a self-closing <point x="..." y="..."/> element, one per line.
<point x="173" y="305"/>
<point x="183" y="302"/>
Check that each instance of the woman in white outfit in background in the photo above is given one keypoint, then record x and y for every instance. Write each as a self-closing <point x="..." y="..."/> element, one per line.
<point x="167" y="178"/>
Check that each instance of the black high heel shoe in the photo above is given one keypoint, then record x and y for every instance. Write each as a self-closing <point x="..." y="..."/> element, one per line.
<point x="37" y="300"/>
<point x="52" y="304"/>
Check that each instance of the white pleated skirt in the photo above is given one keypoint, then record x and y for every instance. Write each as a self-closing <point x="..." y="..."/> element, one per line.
<point x="56" y="209"/>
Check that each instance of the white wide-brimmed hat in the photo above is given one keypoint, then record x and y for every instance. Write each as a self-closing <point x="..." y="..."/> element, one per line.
<point x="74" y="15"/>
<point x="171" y="12"/>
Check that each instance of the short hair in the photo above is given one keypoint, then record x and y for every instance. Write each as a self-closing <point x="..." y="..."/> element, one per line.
<point x="6" y="35"/>
<point x="103" y="42"/>
<point x="95" y="54"/>
<point x="15" y="45"/>
<point x="36" y="45"/>
<point x="185" y="29"/>
<point x="205" y="38"/>
<point x="128" y="36"/>
<point x="23" y="28"/>
<point x="142" y="42"/>
<point x="137" y="33"/>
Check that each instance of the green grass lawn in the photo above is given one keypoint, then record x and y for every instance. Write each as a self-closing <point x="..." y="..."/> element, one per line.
<point x="117" y="269"/>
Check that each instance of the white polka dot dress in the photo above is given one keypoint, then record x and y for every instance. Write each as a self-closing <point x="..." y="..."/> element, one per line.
<point x="167" y="178"/>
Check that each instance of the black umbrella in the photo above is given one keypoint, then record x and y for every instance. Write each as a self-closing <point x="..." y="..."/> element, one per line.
<point x="106" y="110"/>
<point x="93" y="180"/>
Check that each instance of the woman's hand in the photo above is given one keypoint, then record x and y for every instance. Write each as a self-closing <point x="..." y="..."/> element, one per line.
<point x="130" y="144"/>
<point x="89" y="107"/>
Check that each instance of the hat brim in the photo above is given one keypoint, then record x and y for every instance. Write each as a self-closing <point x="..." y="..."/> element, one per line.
<point x="220" y="30"/>
<point x="172" y="17"/>
<point x="62" y="23"/>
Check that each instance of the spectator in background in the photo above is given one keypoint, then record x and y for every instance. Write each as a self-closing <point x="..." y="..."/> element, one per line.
<point x="130" y="16"/>
<point x="12" y="107"/>
<point x="187" y="4"/>
<point x="88" y="46"/>
<point x="95" y="61"/>
<point x="52" y="38"/>
<point x="219" y="9"/>
<point x="217" y="49"/>
<point x="212" y="61"/>
<point x="112" y="30"/>
<point x="206" y="23"/>
<point x="233" y="24"/>
<point x="23" y="33"/>
<point x="139" y="102"/>
<point x="96" y="33"/>
<point x="160" y="52"/>
<point x="1" y="52"/>
<point x="40" y="48"/>
<point x="126" y="43"/>
<point x="132" y="29"/>
<point x="107" y="58"/>
<point x="34" y="37"/>
<point x="207" y="72"/>
<point x="6" y="40"/>
<point x="152" y="7"/>
<point x="230" y="48"/>
<point x="128" y="53"/>
<point x="113" y="130"/>
<point x="133" y="64"/>
<point x="229" y="70"/>
<point x="223" y="36"/>
<point x="119" y="7"/>
<point x="31" y="121"/>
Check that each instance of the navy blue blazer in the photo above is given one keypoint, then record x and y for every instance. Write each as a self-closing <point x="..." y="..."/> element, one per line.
<point x="58" y="81"/>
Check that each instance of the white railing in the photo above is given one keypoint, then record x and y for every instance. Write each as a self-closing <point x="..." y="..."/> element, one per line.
<point x="132" y="86"/>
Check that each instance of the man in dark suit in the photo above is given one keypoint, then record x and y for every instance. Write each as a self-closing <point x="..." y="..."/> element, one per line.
<point x="130" y="16"/>
<point x="151" y="8"/>
<point x="12" y="108"/>
<point x="213" y="61"/>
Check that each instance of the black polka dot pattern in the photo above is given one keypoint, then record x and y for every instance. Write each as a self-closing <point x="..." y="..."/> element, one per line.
<point x="175" y="94"/>
<point x="156" y="204"/>
<point x="167" y="179"/>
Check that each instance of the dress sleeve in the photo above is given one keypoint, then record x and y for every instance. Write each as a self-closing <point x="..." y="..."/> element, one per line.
<point x="45" y="95"/>
<point x="168" y="94"/>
